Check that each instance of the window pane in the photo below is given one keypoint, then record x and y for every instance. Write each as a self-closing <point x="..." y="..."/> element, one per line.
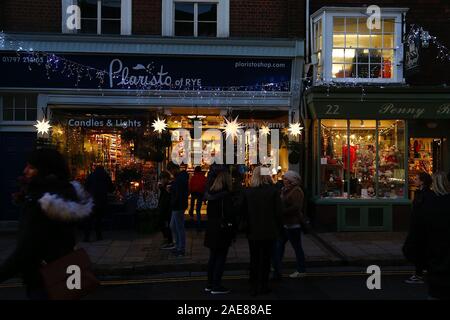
<point x="362" y="55"/>
<point x="363" y="70"/>
<point x="338" y="71"/>
<point x="184" y="11"/>
<point x="362" y="158"/>
<point x="391" y="142"/>
<point x="19" y="114"/>
<point x="88" y="8"/>
<point x="339" y="40"/>
<point x="31" y="114"/>
<point x="351" y="41"/>
<point x="207" y="29"/>
<point x="332" y="171"/>
<point x="375" y="70"/>
<point x="388" y="41"/>
<point x="19" y="101"/>
<point x="88" y="26"/>
<point x="338" y="55"/>
<point x="350" y="70"/>
<point x="376" y="41"/>
<point x="339" y="25"/>
<point x="111" y="9"/>
<point x="389" y="25"/>
<point x="375" y="56"/>
<point x="362" y="26"/>
<point x="8" y="102"/>
<point x="364" y="41"/>
<point x="110" y="26"/>
<point x="351" y="25"/>
<point x="388" y="58"/>
<point x="207" y="12"/>
<point x="8" y="114"/>
<point x="184" y="28"/>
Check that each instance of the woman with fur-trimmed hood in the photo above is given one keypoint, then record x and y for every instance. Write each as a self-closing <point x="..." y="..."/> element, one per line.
<point x="51" y="206"/>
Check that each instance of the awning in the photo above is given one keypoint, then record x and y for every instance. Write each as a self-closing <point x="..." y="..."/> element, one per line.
<point x="379" y="103"/>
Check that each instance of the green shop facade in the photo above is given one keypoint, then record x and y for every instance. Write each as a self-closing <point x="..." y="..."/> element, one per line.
<point x="364" y="148"/>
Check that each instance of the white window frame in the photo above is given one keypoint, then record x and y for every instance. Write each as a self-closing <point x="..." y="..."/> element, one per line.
<point x="125" y="16"/>
<point x="327" y="46"/>
<point x="223" y="17"/>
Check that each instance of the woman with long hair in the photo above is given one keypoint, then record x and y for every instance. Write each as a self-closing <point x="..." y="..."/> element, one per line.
<point x="262" y="210"/>
<point x="219" y="229"/>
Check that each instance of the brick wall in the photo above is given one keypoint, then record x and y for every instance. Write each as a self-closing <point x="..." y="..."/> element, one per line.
<point x="248" y="18"/>
<point x="30" y="16"/>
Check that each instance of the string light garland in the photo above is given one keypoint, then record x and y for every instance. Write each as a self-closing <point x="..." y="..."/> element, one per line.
<point x="417" y="32"/>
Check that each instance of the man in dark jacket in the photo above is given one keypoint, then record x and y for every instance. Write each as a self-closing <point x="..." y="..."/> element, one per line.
<point x="428" y="244"/>
<point x="179" y="194"/>
<point x="50" y="208"/>
<point x="98" y="184"/>
<point x="165" y="211"/>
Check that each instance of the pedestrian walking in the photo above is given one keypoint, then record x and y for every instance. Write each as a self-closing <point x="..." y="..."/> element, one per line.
<point x="423" y="183"/>
<point x="51" y="206"/>
<point x="261" y="209"/>
<point x="98" y="184"/>
<point x="179" y="194"/>
<point x="292" y="199"/>
<point x="219" y="230"/>
<point x="197" y="189"/>
<point x="428" y="240"/>
<point x="165" y="211"/>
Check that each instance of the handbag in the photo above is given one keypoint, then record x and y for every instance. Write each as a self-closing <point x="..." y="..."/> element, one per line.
<point x="55" y="275"/>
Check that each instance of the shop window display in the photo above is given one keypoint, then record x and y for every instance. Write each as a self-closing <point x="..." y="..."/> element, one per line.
<point x="351" y="154"/>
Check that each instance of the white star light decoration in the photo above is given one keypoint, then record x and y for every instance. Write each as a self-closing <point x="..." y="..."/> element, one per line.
<point x="265" y="130"/>
<point x="43" y="126"/>
<point x="159" y="125"/>
<point x="231" y="127"/>
<point x="295" y="129"/>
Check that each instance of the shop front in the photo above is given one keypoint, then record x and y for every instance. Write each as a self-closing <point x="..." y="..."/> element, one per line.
<point x="102" y="106"/>
<point x="367" y="147"/>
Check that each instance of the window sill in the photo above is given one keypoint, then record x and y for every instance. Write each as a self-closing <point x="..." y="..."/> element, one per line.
<point x="378" y="201"/>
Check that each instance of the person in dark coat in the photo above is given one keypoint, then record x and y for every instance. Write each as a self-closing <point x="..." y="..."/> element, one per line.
<point x="261" y="209"/>
<point x="164" y="210"/>
<point x="219" y="230"/>
<point x="51" y="207"/>
<point x="98" y="184"/>
<point x="423" y="192"/>
<point x="428" y="240"/>
<point x="179" y="194"/>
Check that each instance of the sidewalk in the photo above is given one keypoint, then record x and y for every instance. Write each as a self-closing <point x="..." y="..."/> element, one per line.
<point x="127" y="253"/>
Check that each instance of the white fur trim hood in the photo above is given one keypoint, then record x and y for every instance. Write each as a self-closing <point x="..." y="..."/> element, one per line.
<point x="61" y="209"/>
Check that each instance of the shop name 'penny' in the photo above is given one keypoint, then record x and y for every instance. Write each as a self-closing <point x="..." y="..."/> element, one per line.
<point x="390" y="108"/>
<point x="93" y="123"/>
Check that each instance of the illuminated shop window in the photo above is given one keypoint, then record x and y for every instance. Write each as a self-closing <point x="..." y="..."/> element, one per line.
<point x="345" y="49"/>
<point x="362" y="159"/>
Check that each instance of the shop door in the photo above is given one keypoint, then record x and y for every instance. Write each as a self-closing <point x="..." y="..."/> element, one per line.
<point x="364" y="218"/>
<point x="15" y="147"/>
<point x="425" y="155"/>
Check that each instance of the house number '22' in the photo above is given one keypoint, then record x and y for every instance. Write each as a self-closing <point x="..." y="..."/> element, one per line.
<point x="332" y="109"/>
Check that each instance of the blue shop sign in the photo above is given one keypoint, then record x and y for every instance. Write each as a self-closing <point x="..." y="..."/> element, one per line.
<point x="141" y="72"/>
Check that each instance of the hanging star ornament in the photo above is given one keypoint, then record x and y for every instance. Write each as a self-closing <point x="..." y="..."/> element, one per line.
<point x="295" y="129"/>
<point x="159" y="125"/>
<point x="43" y="126"/>
<point x="265" y="130"/>
<point x="231" y="127"/>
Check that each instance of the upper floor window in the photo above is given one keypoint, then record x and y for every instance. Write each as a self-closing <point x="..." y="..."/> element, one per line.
<point x="201" y="18"/>
<point x="109" y="17"/>
<point x="19" y="107"/>
<point x="347" y="48"/>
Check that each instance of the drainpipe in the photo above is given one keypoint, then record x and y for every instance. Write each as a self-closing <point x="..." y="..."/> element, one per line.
<point x="307" y="31"/>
